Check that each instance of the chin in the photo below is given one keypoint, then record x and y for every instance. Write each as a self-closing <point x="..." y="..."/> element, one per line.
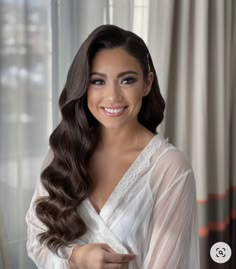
<point x="111" y="126"/>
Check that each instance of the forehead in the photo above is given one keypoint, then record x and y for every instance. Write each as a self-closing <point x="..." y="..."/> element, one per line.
<point x="114" y="59"/>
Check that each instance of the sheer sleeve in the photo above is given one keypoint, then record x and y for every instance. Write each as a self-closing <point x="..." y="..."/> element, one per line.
<point x="173" y="229"/>
<point x="39" y="253"/>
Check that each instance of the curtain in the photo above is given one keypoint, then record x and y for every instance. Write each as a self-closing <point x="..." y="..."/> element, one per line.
<point x="193" y="45"/>
<point x="70" y="23"/>
<point x="25" y="118"/>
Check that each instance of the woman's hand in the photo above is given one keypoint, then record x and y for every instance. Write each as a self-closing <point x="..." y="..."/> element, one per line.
<point x="98" y="256"/>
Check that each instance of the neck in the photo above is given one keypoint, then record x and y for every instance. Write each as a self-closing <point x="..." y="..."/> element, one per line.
<point x="122" y="138"/>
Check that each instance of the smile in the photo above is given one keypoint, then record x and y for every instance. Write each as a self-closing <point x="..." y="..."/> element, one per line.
<point x="109" y="111"/>
<point x="114" y="110"/>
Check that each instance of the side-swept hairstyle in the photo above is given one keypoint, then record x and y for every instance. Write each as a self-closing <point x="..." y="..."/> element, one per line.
<point x="66" y="178"/>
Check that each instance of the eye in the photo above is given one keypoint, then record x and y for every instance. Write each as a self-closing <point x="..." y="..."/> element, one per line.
<point x="97" y="82"/>
<point x="129" y="80"/>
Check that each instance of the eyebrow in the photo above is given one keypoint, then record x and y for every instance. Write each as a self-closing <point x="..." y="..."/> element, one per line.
<point x="119" y="75"/>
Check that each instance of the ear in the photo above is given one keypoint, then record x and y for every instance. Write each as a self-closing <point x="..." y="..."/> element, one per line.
<point x="148" y="84"/>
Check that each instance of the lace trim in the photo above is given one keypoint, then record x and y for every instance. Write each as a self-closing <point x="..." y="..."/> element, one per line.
<point x="141" y="164"/>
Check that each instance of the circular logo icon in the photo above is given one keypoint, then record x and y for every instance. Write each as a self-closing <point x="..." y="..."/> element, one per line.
<point x="220" y="252"/>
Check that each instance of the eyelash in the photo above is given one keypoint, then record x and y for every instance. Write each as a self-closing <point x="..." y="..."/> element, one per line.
<point x="129" y="80"/>
<point x="97" y="82"/>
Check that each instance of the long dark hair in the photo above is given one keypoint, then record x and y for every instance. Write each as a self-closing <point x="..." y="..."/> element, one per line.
<point x="73" y="141"/>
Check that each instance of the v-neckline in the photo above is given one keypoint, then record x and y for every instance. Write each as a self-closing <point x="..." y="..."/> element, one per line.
<point x="122" y="181"/>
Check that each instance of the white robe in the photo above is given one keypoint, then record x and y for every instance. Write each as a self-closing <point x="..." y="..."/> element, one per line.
<point x="151" y="212"/>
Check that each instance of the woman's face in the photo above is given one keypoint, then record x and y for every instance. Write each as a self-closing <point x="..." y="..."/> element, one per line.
<point x="116" y="88"/>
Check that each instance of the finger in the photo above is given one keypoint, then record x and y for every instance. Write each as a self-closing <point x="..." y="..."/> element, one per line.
<point x="110" y="257"/>
<point x="107" y="248"/>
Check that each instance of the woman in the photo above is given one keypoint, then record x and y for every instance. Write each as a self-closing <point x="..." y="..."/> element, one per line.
<point x="113" y="193"/>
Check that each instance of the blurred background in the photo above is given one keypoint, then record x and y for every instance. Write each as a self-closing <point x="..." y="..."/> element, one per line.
<point x="193" y="46"/>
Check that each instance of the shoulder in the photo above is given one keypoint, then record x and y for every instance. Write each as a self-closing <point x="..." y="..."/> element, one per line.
<point x="168" y="156"/>
<point x="169" y="165"/>
<point x="175" y="160"/>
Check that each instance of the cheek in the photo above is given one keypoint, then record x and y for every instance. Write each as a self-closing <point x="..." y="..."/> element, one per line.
<point x="140" y="97"/>
<point x="137" y="97"/>
<point x="139" y="104"/>
<point x="91" y="98"/>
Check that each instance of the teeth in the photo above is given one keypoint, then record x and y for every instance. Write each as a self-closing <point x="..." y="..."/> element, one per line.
<point x="113" y="110"/>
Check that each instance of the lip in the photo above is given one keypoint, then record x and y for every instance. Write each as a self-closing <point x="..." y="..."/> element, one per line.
<point x="113" y="114"/>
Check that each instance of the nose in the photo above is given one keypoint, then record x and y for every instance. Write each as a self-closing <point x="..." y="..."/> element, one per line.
<point x="114" y="92"/>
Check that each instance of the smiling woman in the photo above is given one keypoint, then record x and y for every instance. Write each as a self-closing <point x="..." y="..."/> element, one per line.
<point x="113" y="192"/>
<point x="117" y="90"/>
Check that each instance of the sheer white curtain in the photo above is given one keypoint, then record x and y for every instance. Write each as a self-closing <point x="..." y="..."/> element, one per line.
<point x="25" y="118"/>
<point x="71" y="23"/>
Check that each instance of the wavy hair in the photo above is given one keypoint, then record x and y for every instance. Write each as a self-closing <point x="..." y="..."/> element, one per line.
<point x="66" y="178"/>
